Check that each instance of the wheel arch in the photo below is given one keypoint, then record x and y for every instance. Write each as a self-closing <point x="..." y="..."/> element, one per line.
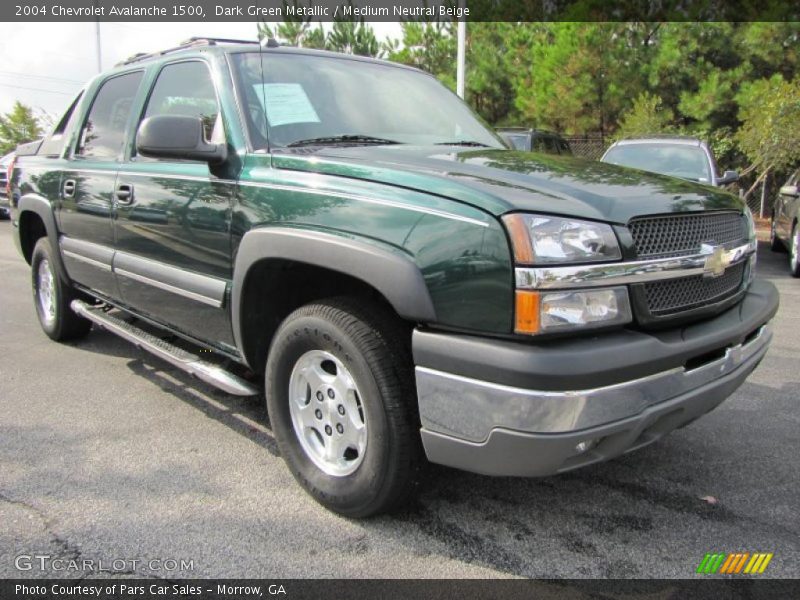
<point x="325" y="262"/>
<point x="36" y="219"/>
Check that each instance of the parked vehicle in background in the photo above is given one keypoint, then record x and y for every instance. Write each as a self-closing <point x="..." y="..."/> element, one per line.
<point x="534" y="140"/>
<point x="5" y="202"/>
<point x="785" y="229"/>
<point x="403" y="284"/>
<point x="677" y="156"/>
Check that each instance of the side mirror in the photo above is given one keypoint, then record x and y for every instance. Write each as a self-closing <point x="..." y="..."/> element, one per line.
<point x="790" y="190"/>
<point x="179" y="137"/>
<point x="728" y="177"/>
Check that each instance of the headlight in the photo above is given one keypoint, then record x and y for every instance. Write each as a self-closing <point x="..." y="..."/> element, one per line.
<point x="539" y="239"/>
<point x="751" y="223"/>
<point x="542" y="240"/>
<point x="546" y="312"/>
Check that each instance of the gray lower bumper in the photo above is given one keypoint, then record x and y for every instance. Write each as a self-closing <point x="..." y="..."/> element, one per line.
<point x="491" y="428"/>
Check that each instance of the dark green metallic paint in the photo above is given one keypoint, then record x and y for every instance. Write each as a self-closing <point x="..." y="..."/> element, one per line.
<point x="439" y="205"/>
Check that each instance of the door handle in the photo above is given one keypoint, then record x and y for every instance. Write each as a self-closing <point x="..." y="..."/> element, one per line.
<point x="124" y="193"/>
<point x="68" y="190"/>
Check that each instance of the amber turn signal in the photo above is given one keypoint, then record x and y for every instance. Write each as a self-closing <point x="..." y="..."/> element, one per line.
<point x="520" y="238"/>
<point x="527" y="312"/>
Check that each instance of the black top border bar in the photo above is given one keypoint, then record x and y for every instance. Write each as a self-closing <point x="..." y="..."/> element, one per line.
<point x="399" y="10"/>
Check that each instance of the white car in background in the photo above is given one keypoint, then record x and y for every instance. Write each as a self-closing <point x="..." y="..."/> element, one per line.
<point x="5" y="205"/>
<point x="677" y="156"/>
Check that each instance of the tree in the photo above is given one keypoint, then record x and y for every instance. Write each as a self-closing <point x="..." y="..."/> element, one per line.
<point x="647" y="116"/>
<point x="349" y="37"/>
<point x="294" y="30"/>
<point x="770" y="115"/>
<point x="426" y="45"/>
<point x="18" y="126"/>
<point x="353" y="37"/>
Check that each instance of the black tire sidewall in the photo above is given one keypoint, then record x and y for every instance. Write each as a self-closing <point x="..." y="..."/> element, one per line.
<point x="349" y="494"/>
<point x="41" y="252"/>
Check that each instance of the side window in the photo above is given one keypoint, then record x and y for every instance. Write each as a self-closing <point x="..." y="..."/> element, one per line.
<point x="68" y="116"/>
<point x="186" y="89"/>
<point x="103" y="132"/>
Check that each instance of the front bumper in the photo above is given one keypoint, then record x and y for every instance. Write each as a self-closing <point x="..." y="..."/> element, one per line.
<point x="506" y="408"/>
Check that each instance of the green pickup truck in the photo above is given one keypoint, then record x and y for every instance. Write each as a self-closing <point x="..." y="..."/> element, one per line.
<point x="349" y="233"/>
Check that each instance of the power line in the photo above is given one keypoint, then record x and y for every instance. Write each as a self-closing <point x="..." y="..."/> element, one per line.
<point x="14" y="74"/>
<point x="22" y="87"/>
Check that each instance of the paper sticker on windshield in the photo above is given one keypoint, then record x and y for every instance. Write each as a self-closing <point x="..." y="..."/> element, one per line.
<point x="285" y="103"/>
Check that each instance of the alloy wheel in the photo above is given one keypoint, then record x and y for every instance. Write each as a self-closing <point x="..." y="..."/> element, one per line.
<point x="327" y="413"/>
<point x="45" y="292"/>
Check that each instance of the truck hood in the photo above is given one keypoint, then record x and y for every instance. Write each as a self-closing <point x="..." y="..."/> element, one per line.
<point x="501" y="181"/>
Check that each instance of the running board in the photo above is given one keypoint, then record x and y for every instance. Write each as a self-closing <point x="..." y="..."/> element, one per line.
<point x="178" y="357"/>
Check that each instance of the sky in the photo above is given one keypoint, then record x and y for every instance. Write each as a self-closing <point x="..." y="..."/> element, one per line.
<point x="44" y="65"/>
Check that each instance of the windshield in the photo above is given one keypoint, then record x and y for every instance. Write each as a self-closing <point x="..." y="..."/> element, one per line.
<point x="304" y="98"/>
<point x="677" y="160"/>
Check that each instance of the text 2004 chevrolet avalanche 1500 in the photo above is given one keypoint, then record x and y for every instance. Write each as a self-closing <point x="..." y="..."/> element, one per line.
<point x="406" y="285"/>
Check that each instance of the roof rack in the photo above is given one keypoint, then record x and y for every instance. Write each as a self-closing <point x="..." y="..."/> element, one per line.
<point x="190" y="43"/>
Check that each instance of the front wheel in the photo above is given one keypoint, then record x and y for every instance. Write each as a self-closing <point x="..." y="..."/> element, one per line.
<point x="341" y="405"/>
<point x="52" y="297"/>
<point x="794" y="252"/>
<point x="775" y="243"/>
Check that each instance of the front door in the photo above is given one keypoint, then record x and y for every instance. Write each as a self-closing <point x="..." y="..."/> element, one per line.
<point x="88" y="182"/>
<point x="173" y="260"/>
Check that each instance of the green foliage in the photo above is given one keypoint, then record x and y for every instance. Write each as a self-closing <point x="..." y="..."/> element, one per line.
<point x="430" y="46"/>
<point x="350" y="37"/>
<point x="770" y="115"/>
<point x="353" y="37"/>
<point x="647" y="116"/>
<point x="17" y="127"/>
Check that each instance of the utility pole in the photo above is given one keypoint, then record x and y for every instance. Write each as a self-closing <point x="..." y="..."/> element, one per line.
<point x="97" y="46"/>
<point x="461" y="56"/>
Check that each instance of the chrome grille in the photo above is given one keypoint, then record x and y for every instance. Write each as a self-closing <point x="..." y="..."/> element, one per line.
<point x="676" y="235"/>
<point x="677" y="295"/>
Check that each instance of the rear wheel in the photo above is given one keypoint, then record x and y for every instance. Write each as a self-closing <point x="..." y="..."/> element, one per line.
<point x="794" y="252"/>
<point x="52" y="297"/>
<point x="341" y="404"/>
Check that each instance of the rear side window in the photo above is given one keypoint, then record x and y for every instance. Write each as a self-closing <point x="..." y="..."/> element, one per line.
<point x="519" y="141"/>
<point x="186" y="89"/>
<point x="103" y="133"/>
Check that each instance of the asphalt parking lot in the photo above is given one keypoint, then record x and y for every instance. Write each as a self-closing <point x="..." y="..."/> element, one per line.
<point x="109" y="454"/>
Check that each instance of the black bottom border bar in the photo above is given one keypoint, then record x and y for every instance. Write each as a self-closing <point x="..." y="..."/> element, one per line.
<point x="121" y="587"/>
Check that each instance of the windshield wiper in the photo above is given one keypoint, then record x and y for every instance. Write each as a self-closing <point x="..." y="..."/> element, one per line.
<point x="341" y="139"/>
<point x="463" y="143"/>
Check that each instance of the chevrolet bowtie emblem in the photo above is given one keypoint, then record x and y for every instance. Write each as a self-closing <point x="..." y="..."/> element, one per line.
<point x="717" y="260"/>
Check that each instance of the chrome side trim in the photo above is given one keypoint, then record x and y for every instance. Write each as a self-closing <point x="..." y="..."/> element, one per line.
<point x="203" y="370"/>
<point x="624" y="273"/>
<point x="469" y="408"/>
<point x="169" y="288"/>
<point x="87" y="260"/>
<point x="195" y="286"/>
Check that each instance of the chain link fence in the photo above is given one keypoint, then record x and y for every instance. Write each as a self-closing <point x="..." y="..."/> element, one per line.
<point x="587" y="146"/>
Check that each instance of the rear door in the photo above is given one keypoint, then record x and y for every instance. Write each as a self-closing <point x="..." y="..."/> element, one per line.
<point x="173" y="260"/>
<point x="87" y="185"/>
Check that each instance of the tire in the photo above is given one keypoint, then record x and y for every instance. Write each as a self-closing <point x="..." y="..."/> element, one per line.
<point x="52" y="297"/>
<point x="775" y="244"/>
<point x="340" y="350"/>
<point x="794" y="251"/>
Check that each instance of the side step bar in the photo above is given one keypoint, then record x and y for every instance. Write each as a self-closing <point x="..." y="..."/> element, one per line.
<point x="186" y="361"/>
